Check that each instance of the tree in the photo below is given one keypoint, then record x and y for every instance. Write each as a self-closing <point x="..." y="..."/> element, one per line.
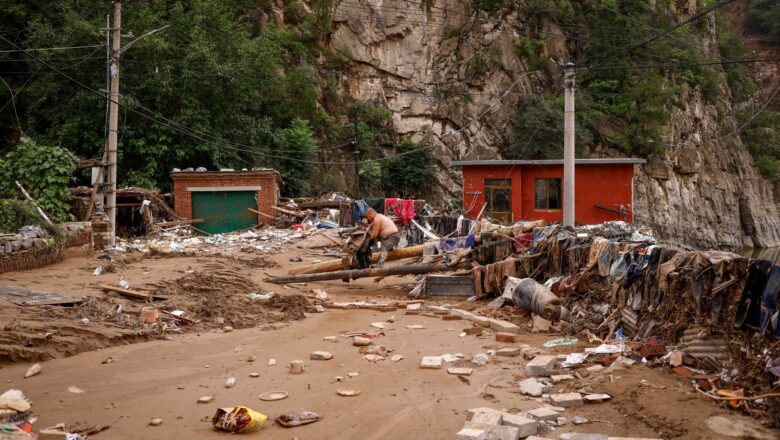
<point x="537" y="131"/>
<point x="411" y="172"/>
<point x="296" y="142"/>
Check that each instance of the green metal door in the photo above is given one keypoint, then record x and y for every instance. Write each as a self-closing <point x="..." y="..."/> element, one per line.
<point x="224" y="211"/>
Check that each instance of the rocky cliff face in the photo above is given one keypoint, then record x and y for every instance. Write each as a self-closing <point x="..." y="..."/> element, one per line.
<point x="451" y="77"/>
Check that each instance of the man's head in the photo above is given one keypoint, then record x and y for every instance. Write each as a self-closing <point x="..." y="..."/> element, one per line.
<point x="370" y="214"/>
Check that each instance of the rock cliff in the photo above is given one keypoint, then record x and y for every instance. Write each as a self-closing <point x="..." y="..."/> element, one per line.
<point x="451" y="76"/>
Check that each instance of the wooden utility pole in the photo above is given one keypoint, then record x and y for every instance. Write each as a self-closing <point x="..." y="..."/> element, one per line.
<point x="113" y="118"/>
<point x="568" y="145"/>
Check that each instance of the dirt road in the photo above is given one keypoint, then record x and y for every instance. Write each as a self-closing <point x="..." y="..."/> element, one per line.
<point x="164" y="378"/>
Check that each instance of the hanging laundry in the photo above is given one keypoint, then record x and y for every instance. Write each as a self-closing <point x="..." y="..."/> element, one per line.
<point x="407" y="210"/>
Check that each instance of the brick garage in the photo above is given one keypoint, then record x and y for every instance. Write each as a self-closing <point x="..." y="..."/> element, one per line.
<point x="208" y="185"/>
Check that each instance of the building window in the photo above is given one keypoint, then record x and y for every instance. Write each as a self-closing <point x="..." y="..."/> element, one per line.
<point x="548" y="194"/>
<point x="498" y="196"/>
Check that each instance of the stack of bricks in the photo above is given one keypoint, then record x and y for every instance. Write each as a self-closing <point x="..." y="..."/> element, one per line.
<point x="492" y="424"/>
<point x="268" y="180"/>
<point x="101" y="234"/>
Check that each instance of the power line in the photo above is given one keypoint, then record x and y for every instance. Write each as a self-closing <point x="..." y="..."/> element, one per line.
<point x="659" y="66"/>
<point x="40" y="49"/>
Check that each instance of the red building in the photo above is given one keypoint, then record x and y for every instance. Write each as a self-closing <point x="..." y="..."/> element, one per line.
<point x="532" y="189"/>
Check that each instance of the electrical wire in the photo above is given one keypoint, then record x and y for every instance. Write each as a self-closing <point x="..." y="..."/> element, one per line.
<point x="50" y="48"/>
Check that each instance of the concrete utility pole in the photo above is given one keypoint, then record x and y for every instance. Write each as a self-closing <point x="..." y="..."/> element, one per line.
<point x="568" y="145"/>
<point x="113" y="118"/>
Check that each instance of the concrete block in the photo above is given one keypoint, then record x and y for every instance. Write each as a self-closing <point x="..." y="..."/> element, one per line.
<point x="496" y="432"/>
<point x="531" y="387"/>
<point x="506" y="337"/>
<point x="438" y="310"/>
<point x="540" y="366"/>
<point x="509" y="352"/>
<point x="499" y="325"/>
<point x="431" y="362"/>
<point x="471" y="434"/>
<point x="462" y="313"/>
<point x="545" y="414"/>
<point x="480" y="320"/>
<point x="488" y="418"/>
<point x="482" y="409"/>
<point x="525" y="425"/>
<point x="566" y="400"/>
<point x="583" y="436"/>
<point x="558" y="378"/>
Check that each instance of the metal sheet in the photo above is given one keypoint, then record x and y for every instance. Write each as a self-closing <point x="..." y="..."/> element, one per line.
<point x="27" y="297"/>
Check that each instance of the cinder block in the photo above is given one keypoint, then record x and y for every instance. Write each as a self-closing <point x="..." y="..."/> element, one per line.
<point x="462" y="313"/>
<point x="540" y="366"/>
<point x="545" y="414"/>
<point x="496" y="432"/>
<point x="488" y="418"/>
<point x="471" y="434"/>
<point x="525" y="425"/>
<point x="499" y="325"/>
<point x="566" y="400"/>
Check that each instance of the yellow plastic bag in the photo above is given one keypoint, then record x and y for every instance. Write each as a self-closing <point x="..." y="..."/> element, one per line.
<point x="238" y="419"/>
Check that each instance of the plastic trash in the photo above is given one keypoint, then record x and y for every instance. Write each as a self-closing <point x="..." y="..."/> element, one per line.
<point x="230" y="382"/>
<point x="238" y="419"/>
<point x="298" y="418"/>
<point x="480" y="359"/>
<point x="98" y="271"/>
<point x="124" y="283"/>
<point x="260" y="296"/>
<point x="559" y="342"/>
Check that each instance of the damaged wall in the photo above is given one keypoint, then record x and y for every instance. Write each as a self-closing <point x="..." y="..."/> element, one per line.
<point x="437" y="70"/>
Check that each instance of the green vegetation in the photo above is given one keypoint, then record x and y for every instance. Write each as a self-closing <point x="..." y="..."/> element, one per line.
<point x="761" y="136"/>
<point x="489" y="6"/>
<point x="765" y="15"/>
<point x="44" y="171"/>
<point x="411" y="173"/>
<point x="537" y="131"/>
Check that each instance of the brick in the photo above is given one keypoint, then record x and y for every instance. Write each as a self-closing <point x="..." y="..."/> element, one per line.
<point x="525" y="425"/>
<point x="450" y="317"/>
<point x="473" y="411"/>
<point x="473" y="331"/>
<point x="499" y="325"/>
<point x="431" y="362"/>
<point x="506" y="337"/>
<point x="540" y="366"/>
<point x="509" y="352"/>
<point x="566" y="400"/>
<point x="496" y="432"/>
<point x="471" y="434"/>
<point x="488" y="418"/>
<point x="543" y="414"/>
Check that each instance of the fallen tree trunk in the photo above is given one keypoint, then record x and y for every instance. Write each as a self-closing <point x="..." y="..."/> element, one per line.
<point x="288" y="212"/>
<point x="333" y="265"/>
<point x="410" y="269"/>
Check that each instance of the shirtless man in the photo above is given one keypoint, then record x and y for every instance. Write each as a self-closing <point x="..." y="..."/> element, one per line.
<point x="383" y="228"/>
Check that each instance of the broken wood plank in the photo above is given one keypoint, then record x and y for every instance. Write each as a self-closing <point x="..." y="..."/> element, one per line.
<point x="409" y="269"/>
<point x="177" y="318"/>
<point x="126" y="292"/>
<point x="180" y="222"/>
<point x="334" y="265"/>
<point x="261" y="213"/>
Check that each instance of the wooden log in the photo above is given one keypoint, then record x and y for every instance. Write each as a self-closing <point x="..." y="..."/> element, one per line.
<point x="288" y="212"/>
<point x="261" y="213"/>
<point x="180" y="222"/>
<point x="333" y="265"/>
<point x="409" y="269"/>
<point x="126" y="292"/>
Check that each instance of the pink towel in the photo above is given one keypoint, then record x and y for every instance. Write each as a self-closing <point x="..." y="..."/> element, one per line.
<point x="407" y="210"/>
<point x="393" y="207"/>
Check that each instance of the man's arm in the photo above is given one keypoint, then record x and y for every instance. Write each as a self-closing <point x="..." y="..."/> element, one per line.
<point x="374" y="229"/>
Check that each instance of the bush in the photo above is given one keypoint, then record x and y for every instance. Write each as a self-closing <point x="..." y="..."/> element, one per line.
<point x="537" y="131"/>
<point x="765" y="15"/>
<point x="45" y="172"/>
<point x="17" y="213"/>
<point x="489" y="6"/>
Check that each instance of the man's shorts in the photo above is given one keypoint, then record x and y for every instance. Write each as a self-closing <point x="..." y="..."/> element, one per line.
<point x="389" y="243"/>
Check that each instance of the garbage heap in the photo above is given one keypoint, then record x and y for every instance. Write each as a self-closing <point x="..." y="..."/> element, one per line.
<point x="711" y="315"/>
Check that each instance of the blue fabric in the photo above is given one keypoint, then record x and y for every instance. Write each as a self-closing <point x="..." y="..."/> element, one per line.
<point x="450" y="244"/>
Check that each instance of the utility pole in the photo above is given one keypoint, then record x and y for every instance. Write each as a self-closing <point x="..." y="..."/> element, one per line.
<point x="568" y="145"/>
<point x="113" y="118"/>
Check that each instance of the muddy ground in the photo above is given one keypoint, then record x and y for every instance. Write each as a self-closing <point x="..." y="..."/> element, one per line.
<point x="162" y="374"/>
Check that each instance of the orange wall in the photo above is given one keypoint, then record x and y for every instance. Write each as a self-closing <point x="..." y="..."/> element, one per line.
<point x="474" y="181"/>
<point x="610" y="185"/>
